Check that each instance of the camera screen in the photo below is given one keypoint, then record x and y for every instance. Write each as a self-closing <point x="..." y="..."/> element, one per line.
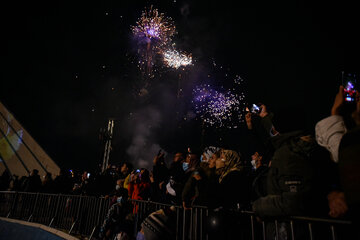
<point x="350" y="91"/>
<point x="349" y="83"/>
<point x="255" y="108"/>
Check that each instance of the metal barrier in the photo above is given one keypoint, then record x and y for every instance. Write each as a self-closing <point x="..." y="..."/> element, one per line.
<point x="71" y="213"/>
<point x="200" y="223"/>
<point x="190" y="224"/>
<point x="82" y="215"/>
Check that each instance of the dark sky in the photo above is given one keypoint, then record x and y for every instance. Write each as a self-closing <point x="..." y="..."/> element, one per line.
<point x="68" y="65"/>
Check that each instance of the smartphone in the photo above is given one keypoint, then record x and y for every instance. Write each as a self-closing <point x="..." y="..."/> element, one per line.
<point x="138" y="170"/>
<point x="349" y="84"/>
<point x="255" y="109"/>
<point x="88" y="175"/>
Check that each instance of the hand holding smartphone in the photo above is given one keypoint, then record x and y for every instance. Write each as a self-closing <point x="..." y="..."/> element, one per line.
<point x="349" y="84"/>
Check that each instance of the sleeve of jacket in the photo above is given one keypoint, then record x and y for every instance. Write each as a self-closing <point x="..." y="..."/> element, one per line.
<point x="286" y="204"/>
<point x="329" y="133"/>
<point x="188" y="191"/>
<point x="107" y="221"/>
<point x="127" y="181"/>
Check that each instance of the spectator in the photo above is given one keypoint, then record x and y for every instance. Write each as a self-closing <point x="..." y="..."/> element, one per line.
<point x="139" y="186"/>
<point x="16" y="184"/>
<point x="33" y="182"/>
<point x="199" y="188"/>
<point x="349" y="165"/>
<point x="125" y="171"/>
<point x="118" y="220"/>
<point x="63" y="183"/>
<point x="160" y="175"/>
<point x="233" y="186"/>
<point x="175" y="185"/>
<point x="191" y="163"/>
<point x="339" y="133"/>
<point x="159" y="225"/>
<point x="48" y="184"/>
<point x="258" y="176"/>
<point x="291" y="182"/>
<point x="5" y="180"/>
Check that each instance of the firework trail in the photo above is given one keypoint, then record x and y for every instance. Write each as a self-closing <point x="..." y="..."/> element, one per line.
<point x="153" y="32"/>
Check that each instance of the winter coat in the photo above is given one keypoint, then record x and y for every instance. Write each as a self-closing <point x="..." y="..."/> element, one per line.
<point x="291" y="180"/>
<point x="349" y="167"/>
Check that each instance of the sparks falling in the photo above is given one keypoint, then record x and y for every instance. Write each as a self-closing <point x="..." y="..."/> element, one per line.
<point x="154" y="26"/>
<point x="153" y="33"/>
<point x="175" y="59"/>
<point x="220" y="107"/>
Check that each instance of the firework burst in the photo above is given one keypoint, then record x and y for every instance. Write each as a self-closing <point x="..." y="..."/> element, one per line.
<point x="154" y="26"/>
<point x="220" y="108"/>
<point x="175" y="59"/>
<point x="153" y="33"/>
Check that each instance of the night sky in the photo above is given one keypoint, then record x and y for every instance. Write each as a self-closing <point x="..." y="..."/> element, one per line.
<point x="69" y="66"/>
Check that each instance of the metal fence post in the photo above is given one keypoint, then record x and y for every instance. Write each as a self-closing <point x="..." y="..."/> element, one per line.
<point x="263" y="229"/>
<point x="333" y="232"/>
<point x="13" y="205"/>
<point x="292" y="230"/>
<point x="33" y="210"/>
<point x="56" y="210"/>
<point x="252" y="227"/>
<point x="310" y="231"/>
<point x="276" y="229"/>
<point x="77" y="216"/>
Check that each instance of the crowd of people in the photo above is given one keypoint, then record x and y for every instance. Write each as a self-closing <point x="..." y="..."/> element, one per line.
<point x="313" y="173"/>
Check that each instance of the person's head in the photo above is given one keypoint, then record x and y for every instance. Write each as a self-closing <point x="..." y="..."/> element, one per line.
<point x="207" y="154"/>
<point x="34" y="172"/>
<point x="126" y="168"/>
<point x="256" y="160"/>
<point x="159" y="159"/>
<point x="229" y="161"/>
<point x="84" y="175"/>
<point x="144" y="175"/>
<point x="213" y="158"/>
<point x="178" y="157"/>
<point x="193" y="160"/>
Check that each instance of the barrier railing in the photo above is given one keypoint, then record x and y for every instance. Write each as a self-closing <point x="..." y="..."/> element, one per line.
<point x="83" y="215"/>
<point x="73" y="214"/>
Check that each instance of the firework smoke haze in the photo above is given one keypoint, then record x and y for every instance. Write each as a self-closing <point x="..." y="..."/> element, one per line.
<point x="143" y="144"/>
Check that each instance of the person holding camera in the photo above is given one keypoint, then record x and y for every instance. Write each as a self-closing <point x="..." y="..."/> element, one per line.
<point x="139" y="186"/>
<point x="340" y="135"/>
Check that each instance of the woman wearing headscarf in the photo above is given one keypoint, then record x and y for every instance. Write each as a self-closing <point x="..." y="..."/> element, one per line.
<point x="232" y="192"/>
<point x="233" y="181"/>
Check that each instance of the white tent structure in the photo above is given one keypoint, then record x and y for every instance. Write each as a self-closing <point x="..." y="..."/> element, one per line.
<point x="19" y="152"/>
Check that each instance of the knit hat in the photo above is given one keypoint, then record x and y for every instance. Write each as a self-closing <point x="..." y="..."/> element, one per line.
<point x="158" y="226"/>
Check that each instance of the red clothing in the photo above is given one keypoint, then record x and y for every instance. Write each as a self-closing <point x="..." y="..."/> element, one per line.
<point x="139" y="191"/>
